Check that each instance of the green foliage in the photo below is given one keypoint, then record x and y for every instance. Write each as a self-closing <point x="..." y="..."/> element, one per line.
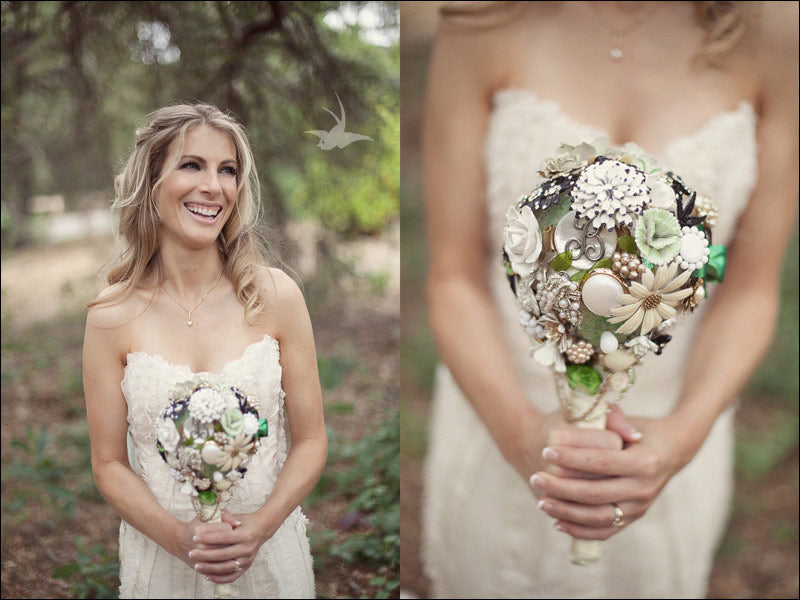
<point x="784" y="532"/>
<point x="418" y="355"/>
<point x="340" y="408"/>
<point x="378" y="282"/>
<point x="387" y="585"/>
<point x="85" y="74"/>
<point x="332" y="369"/>
<point x="95" y="574"/>
<point x="414" y="433"/>
<point x="358" y="191"/>
<point x="366" y="473"/>
<point x="38" y="477"/>
<point x="756" y="457"/>
<point x="779" y="373"/>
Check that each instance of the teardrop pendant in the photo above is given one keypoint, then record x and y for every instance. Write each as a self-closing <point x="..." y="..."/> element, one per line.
<point x="616" y="54"/>
<point x="189" y="322"/>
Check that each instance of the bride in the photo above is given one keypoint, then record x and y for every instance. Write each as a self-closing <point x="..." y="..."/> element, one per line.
<point x="710" y="90"/>
<point x="190" y="293"/>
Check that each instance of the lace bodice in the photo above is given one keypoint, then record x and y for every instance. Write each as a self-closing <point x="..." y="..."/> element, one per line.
<point x="146" y="385"/>
<point x="718" y="160"/>
<point x="283" y="565"/>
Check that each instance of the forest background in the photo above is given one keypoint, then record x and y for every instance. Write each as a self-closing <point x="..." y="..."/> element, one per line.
<point x="77" y="79"/>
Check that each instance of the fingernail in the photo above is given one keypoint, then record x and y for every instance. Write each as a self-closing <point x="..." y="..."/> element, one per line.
<point x="637" y="435"/>
<point x="549" y="454"/>
<point x="537" y="481"/>
<point x="191" y="554"/>
<point x="545" y="505"/>
<point x="238" y="523"/>
<point x="196" y="538"/>
<point x="558" y="526"/>
<point x="197" y="567"/>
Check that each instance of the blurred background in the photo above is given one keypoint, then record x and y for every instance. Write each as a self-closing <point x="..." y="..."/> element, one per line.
<point x="77" y="79"/>
<point x="759" y="555"/>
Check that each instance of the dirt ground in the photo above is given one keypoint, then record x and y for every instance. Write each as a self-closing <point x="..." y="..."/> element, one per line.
<point x="40" y="284"/>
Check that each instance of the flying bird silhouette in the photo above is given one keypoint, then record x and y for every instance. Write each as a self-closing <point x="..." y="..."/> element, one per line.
<point x="337" y="137"/>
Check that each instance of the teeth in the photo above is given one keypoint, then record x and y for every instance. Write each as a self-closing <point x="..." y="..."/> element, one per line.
<point x="206" y="212"/>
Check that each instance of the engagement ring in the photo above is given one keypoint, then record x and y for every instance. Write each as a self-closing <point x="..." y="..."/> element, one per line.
<point x="619" y="516"/>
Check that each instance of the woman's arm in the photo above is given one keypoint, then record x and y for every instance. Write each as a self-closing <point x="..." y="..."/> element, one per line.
<point x="466" y="66"/>
<point x="106" y="411"/>
<point x="735" y="333"/>
<point x="306" y="459"/>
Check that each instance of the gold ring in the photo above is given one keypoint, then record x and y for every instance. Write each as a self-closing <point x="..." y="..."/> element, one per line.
<point x="619" y="516"/>
<point x="236" y="564"/>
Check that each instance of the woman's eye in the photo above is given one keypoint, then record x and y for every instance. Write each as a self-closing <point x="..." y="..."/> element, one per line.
<point x="190" y="165"/>
<point x="230" y="171"/>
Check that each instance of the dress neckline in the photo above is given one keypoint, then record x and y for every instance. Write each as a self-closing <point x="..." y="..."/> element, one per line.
<point x="267" y="338"/>
<point x="743" y="107"/>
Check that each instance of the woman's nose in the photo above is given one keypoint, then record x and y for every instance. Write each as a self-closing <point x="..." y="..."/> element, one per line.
<point x="211" y="183"/>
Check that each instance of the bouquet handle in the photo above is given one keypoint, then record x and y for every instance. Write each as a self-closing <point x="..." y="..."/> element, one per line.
<point x="588" y="412"/>
<point x="586" y="552"/>
<point x="212" y="513"/>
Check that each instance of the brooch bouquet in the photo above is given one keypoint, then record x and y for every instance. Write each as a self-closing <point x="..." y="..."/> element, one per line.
<point x="207" y="434"/>
<point x="602" y="257"/>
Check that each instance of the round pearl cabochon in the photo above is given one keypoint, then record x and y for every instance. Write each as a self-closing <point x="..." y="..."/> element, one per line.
<point x="600" y="291"/>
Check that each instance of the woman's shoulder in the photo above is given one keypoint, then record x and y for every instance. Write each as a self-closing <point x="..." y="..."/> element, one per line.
<point x="112" y="308"/>
<point x="280" y="290"/>
<point x="483" y="38"/>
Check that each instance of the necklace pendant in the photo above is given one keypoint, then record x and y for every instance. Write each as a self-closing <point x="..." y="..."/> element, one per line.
<point x="189" y="322"/>
<point x="616" y="54"/>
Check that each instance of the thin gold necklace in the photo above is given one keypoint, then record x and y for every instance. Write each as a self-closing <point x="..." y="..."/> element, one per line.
<point x="189" y="322"/>
<point x="618" y="34"/>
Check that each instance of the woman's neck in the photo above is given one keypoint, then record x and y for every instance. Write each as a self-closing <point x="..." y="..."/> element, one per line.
<point x="190" y="274"/>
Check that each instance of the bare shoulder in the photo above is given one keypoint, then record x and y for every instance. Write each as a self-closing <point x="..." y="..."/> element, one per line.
<point x="110" y="326"/>
<point x="115" y="314"/>
<point x="480" y="38"/>
<point x="281" y="291"/>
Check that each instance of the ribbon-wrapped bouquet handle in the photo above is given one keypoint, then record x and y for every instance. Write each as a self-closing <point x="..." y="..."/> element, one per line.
<point x="602" y="256"/>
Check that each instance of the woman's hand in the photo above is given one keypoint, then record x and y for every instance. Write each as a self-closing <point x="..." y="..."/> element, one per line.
<point x="186" y="543"/>
<point x="223" y="551"/>
<point x="525" y="448"/>
<point x="629" y="477"/>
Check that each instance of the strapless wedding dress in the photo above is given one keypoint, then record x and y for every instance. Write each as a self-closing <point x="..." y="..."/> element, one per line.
<point x="282" y="568"/>
<point x="484" y="537"/>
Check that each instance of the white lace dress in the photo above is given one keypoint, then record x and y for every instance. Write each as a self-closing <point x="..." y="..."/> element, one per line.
<point x="483" y="534"/>
<point x="282" y="568"/>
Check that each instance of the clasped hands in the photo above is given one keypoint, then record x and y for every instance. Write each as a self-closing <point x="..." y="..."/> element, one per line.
<point x="595" y="481"/>
<point x="221" y="551"/>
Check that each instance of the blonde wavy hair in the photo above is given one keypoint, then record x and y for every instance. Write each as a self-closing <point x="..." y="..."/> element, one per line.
<point x="724" y="23"/>
<point x="137" y="222"/>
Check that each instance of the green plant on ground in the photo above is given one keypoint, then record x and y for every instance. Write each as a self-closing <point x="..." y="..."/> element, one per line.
<point x="332" y="370"/>
<point x="366" y="473"/>
<point x="387" y="585"/>
<point x="757" y="456"/>
<point x="37" y="477"/>
<point x="378" y="282"/>
<point x="95" y="574"/>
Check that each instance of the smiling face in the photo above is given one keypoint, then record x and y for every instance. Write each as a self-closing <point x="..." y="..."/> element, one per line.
<point x="195" y="200"/>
